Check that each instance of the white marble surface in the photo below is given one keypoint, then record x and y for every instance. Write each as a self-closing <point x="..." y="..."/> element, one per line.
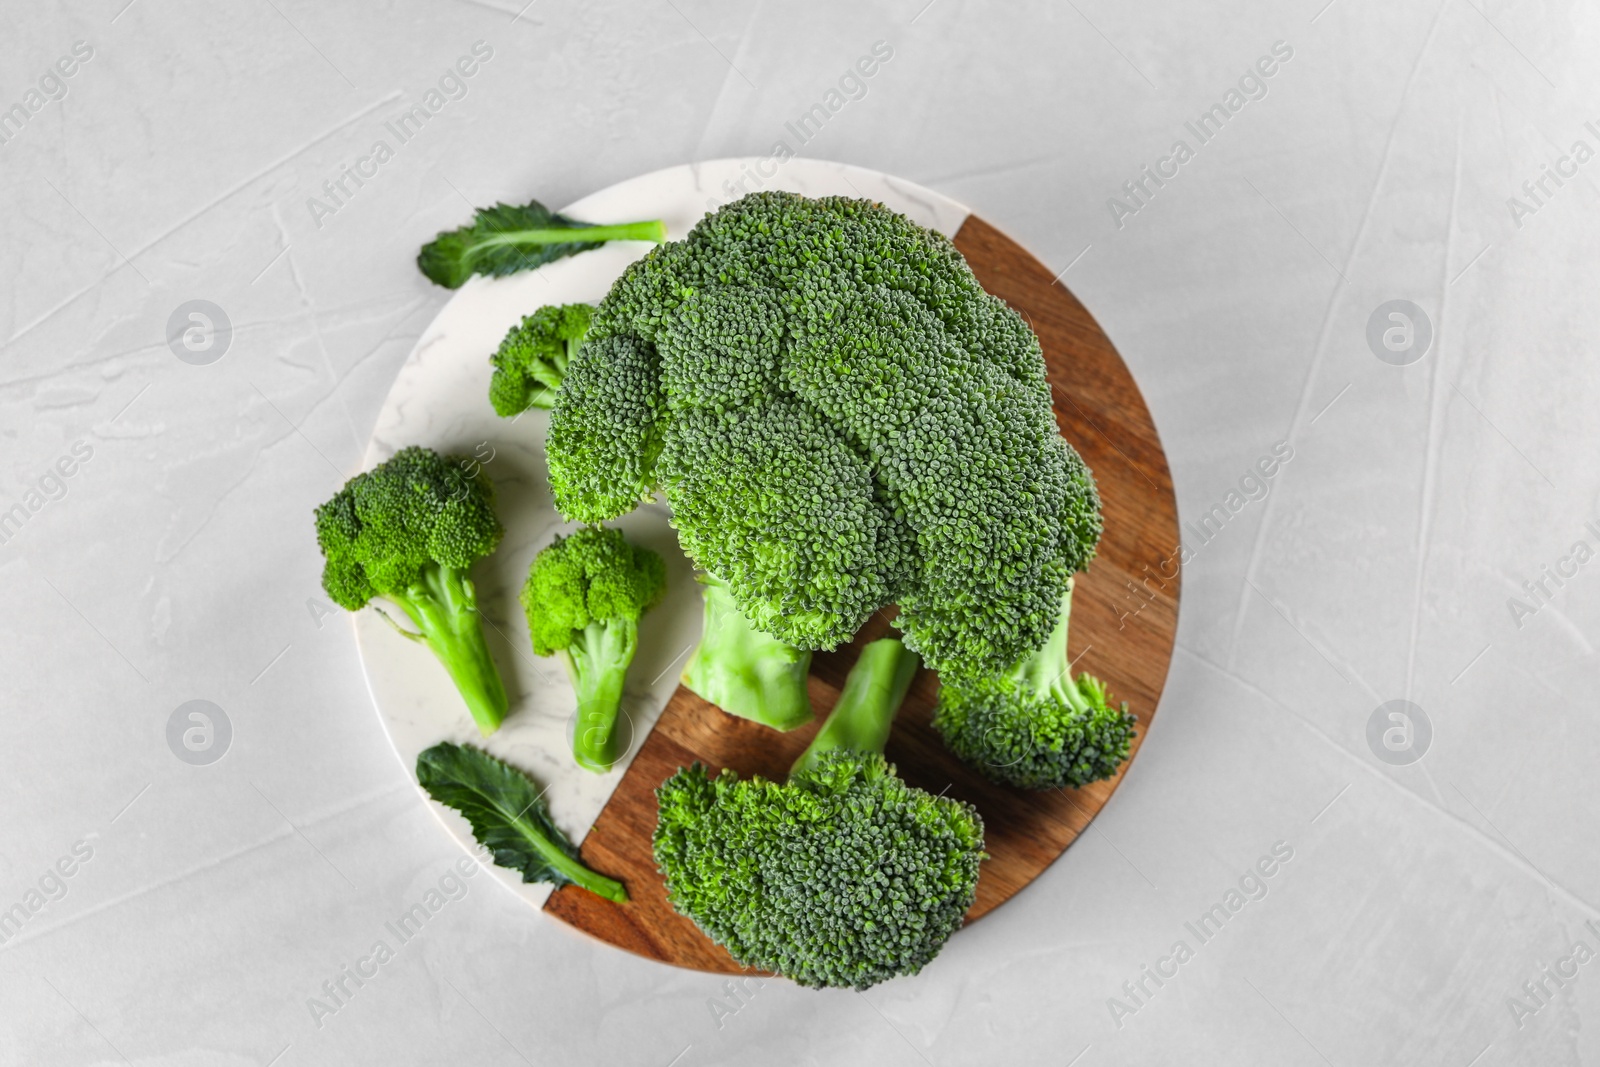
<point x="174" y="564"/>
<point x="439" y="400"/>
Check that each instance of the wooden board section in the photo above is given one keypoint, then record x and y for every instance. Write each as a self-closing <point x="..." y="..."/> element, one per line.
<point x="1124" y="621"/>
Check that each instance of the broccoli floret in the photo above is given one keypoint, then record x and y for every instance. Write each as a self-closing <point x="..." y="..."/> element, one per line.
<point x="407" y="531"/>
<point x="584" y="596"/>
<point x="1033" y="726"/>
<point x="608" y="435"/>
<point x="842" y="876"/>
<point x="771" y="499"/>
<point x="507" y="238"/>
<point x="840" y="419"/>
<point x="533" y="358"/>
<point x="744" y="671"/>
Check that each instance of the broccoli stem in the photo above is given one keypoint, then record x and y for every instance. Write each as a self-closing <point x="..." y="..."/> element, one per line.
<point x="443" y="606"/>
<point x="598" y="662"/>
<point x="872" y="694"/>
<point x="549" y="378"/>
<point x="652" y="230"/>
<point x="746" y="672"/>
<point x="1048" y="673"/>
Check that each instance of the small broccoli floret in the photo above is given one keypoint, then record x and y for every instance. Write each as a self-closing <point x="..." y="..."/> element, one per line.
<point x="1033" y="726"/>
<point x="840" y="419"/>
<point x="584" y="596"/>
<point x="533" y="358"/>
<point x="744" y="671"/>
<point x="407" y="531"/>
<point x="843" y="876"/>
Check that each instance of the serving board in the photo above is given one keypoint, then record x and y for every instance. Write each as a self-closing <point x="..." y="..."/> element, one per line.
<point x="1124" y="621"/>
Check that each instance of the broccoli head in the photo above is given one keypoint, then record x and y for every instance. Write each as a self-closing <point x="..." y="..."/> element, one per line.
<point x="584" y="596"/>
<point x="407" y="531"/>
<point x="1033" y="726"/>
<point x="841" y="419"/>
<point x="533" y="358"/>
<point x="842" y="876"/>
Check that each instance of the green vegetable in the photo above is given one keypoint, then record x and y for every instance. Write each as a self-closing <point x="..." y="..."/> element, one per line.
<point x="1033" y="726"/>
<point x="533" y="358"/>
<point x="508" y="816"/>
<point x="584" y="597"/>
<point x="746" y="672"/>
<point x="845" y="875"/>
<point x="507" y="238"/>
<point x="841" y="419"/>
<point x="407" y="531"/>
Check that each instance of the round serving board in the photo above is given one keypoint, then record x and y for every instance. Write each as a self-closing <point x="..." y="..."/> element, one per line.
<point x="1124" y="611"/>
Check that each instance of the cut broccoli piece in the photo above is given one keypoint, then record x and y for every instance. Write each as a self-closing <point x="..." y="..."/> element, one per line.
<point x="584" y="596"/>
<point x="1033" y="726"/>
<point x="507" y="238"/>
<point x="533" y="358"/>
<point x="840" y="419"/>
<point x="407" y="531"/>
<point x="746" y="672"/>
<point x="843" y="876"/>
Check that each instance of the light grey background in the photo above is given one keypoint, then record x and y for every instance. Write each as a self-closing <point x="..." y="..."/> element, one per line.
<point x="179" y="563"/>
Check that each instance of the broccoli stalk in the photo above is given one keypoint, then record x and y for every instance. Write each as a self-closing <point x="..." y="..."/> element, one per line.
<point x="844" y="875"/>
<point x="1047" y="674"/>
<point x="1034" y="726"/>
<point x="597" y="662"/>
<point x="584" y="596"/>
<point x="872" y="694"/>
<point x="443" y="606"/>
<point x="744" y="671"/>
<point x="407" y="531"/>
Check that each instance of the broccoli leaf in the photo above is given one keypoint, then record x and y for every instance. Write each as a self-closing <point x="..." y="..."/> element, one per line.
<point x="508" y="816"/>
<point x="508" y="238"/>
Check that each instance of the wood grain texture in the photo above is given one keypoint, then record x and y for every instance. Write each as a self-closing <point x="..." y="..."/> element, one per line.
<point x="1124" y="620"/>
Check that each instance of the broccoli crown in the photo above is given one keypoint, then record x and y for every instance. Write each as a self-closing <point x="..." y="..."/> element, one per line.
<point x="844" y="876"/>
<point x="1019" y="736"/>
<point x="416" y="509"/>
<point x="533" y="357"/>
<point x="841" y="418"/>
<point x="593" y="576"/>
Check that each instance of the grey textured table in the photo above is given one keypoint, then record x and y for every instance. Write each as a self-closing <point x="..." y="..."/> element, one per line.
<point x="1432" y="478"/>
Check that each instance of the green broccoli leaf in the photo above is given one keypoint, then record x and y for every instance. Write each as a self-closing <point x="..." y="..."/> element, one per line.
<point x="507" y="238"/>
<point x="508" y="816"/>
